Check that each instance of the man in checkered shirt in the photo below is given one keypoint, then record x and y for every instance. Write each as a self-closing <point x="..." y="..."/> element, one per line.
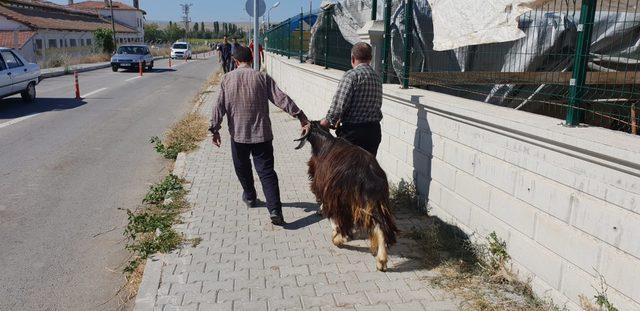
<point x="355" y="110"/>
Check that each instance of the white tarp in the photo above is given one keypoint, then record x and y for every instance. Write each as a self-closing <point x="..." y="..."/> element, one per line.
<point x="458" y="23"/>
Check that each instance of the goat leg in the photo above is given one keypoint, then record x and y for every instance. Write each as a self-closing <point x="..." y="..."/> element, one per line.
<point x="378" y="241"/>
<point x="337" y="238"/>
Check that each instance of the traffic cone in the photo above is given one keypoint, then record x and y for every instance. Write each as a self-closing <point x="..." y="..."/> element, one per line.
<point x="77" y="85"/>
<point x="140" y="68"/>
<point x="169" y="62"/>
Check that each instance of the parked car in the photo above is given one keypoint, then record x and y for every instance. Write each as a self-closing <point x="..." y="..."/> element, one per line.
<point x="181" y="50"/>
<point x="17" y="76"/>
<point x="130" y="56"/>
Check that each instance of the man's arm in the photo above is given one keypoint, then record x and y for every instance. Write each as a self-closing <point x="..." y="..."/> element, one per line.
<point x="284" y="102"/>
<point x="219" y="110"/>
<point x="341" y="99"/>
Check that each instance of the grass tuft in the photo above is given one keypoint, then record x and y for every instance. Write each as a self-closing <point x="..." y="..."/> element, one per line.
<point x="183" y="136"/>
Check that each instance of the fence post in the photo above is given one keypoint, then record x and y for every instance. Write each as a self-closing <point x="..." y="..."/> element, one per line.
<point x="408" y="35"/>
<point x="387" y="40"/>
<point x="289" y="41"/>
<point x="301" y="33"/>
<point x="327" y="20"/>
<point x="374" y="10"/>
<point x="580" y="60"/>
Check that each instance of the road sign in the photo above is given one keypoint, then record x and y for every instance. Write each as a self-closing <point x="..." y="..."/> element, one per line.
<point x="262" y="7"/>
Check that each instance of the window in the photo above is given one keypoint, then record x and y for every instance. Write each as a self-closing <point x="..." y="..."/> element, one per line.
<point x="11" y="60"/>
<point x="72" y="43"/>
<point x="81" y="42"/>
<point x="88" y="41"/>
<point x="53" y="43"/>
<point x="2" y="65"/>
<point x="38" y="44"/>
<point x="61" y="43"/>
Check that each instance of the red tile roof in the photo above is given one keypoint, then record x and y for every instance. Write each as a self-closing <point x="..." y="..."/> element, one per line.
<point x="98" y="5"/>
<point x="7" y="38"/>
<point x="46" y="15"/>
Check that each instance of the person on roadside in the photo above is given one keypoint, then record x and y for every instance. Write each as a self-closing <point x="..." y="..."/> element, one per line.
<point x="244" y="98"/>
<point x="234" y="46"/>
<point x="224" y="54"/>
<point x="260" y="51"/>
<point x="355" y="111"/>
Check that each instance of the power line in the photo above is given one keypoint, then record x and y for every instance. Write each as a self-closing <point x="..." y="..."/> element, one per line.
<point x="186" y="8"/>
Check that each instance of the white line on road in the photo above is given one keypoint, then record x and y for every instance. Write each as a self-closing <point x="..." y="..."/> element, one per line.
<point x="14" y="121"/>
<point x="94" y="92"/>
<point x="131" y="79"/>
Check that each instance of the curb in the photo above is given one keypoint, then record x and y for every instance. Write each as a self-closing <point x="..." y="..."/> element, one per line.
<point x="152" y="274"/>
<point x="70" y="70"/>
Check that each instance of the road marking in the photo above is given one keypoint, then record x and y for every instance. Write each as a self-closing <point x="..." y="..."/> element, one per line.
<point x="94" y="92"/>
<point x="14" y="121"/>
<point x="131" y="79"/>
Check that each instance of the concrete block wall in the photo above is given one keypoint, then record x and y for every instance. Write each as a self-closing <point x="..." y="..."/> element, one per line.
<point x="566" y="200"/>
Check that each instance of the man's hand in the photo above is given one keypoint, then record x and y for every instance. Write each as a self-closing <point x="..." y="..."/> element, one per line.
<point x="325" y="123"/>
<point x="216" y="139"/>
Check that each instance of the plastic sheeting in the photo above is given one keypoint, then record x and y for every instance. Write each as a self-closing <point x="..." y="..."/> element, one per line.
<point x="458" y="23"/>
<point x="547" y="45"/>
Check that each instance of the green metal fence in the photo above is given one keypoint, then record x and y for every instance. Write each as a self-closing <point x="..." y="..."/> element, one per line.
<point x="589" y="75"/>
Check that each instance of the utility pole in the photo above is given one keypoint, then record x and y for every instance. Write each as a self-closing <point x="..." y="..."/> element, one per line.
<point x="256" y="44"/>
<point x="113" y="26"/>
<point x="186" y="8"/>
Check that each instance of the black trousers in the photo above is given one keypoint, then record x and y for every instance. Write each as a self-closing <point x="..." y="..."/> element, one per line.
<point x="262" y="154"/>
<point x="365" y="135"/>
<point x="227" y="65"/>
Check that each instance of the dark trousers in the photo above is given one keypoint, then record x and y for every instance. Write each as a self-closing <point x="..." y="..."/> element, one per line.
<point x="365" y="135"/>
<point x="227" y="65"/>
<point x="262" y="154"/>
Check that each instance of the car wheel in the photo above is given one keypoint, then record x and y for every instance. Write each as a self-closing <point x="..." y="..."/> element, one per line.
<point x="144" y="66"/>
<point x="29" y="94"/>
<point x="150" y="66"/>
<point x="114" y="68"/>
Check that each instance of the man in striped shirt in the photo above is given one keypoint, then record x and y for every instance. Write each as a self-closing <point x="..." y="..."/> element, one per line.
<point x="244" y="98"/>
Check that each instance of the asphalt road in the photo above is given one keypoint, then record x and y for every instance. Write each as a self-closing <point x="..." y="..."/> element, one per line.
<point x="67" y="167"/>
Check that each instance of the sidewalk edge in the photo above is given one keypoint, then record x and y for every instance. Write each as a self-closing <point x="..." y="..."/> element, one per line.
<point x="152" y="275"/>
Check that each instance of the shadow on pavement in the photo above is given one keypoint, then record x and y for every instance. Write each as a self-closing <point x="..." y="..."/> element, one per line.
<point x="303" y="222"/>
<point x="14" y="107"/>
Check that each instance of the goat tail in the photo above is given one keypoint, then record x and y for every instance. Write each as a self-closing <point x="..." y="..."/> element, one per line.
<point x="387" y="223"/>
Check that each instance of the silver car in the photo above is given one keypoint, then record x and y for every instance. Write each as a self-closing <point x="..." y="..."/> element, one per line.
<point x="17" y="76"/>
<point x="130" y="56"/>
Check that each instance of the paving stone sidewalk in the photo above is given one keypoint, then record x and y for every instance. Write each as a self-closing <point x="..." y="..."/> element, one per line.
<point x="245" y="263"/>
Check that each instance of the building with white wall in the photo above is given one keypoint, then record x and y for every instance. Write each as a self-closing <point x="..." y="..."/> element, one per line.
<point x="41" y="28"/>
<point x="131" y="16"/>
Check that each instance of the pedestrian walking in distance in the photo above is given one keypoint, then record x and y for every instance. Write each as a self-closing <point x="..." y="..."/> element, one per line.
<point x="234" y="46"/>
<point x="356" y="106"/>
<point x="224" y="54"/>
<point x="244" y="98"/>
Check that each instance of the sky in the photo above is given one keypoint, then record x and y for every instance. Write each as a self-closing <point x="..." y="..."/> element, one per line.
<point x="215" y="10"/>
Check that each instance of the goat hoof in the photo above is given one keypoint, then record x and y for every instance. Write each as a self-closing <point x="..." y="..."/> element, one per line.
<point x="338" y="240"/>
<point x="381" y="265"/>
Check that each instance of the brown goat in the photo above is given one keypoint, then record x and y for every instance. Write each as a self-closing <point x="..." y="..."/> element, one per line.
<point x="353" y="190"/>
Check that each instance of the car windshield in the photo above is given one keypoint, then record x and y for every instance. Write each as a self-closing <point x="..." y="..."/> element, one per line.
<point x="139" y="50"/>
<point x="181" y="46"/>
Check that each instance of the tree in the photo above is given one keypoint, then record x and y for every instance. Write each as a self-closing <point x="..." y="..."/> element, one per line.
<point x="196" y="27"/>
<point x="104" y="40"/>
<point x="216" y="28"/>
<point x="152" y="33"/>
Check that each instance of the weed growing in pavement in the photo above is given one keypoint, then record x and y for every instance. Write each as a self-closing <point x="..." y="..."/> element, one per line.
<point x="479" y="273"/>
<point x="183" y="136"/>
<point x="149" y="229"/>
<point x="404" y="194"/>
<point x="602" y="302"/>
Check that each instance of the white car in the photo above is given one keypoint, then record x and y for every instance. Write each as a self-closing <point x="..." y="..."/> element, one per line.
<point x="17" y="76"/>
<point x="181" y="50"/>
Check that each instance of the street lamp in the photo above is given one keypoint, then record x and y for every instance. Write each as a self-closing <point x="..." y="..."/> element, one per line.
<point x="275" y="5"/>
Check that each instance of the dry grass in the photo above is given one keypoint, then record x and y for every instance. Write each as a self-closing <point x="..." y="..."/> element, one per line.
<point x="131" y="287"/>
<point x="187" y="132"/>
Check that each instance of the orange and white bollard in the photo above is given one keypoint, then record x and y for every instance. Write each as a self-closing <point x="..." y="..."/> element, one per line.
<point x="76" y="85"/>
<point x="169" y="62"/>
<point x="140" y="68"/>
